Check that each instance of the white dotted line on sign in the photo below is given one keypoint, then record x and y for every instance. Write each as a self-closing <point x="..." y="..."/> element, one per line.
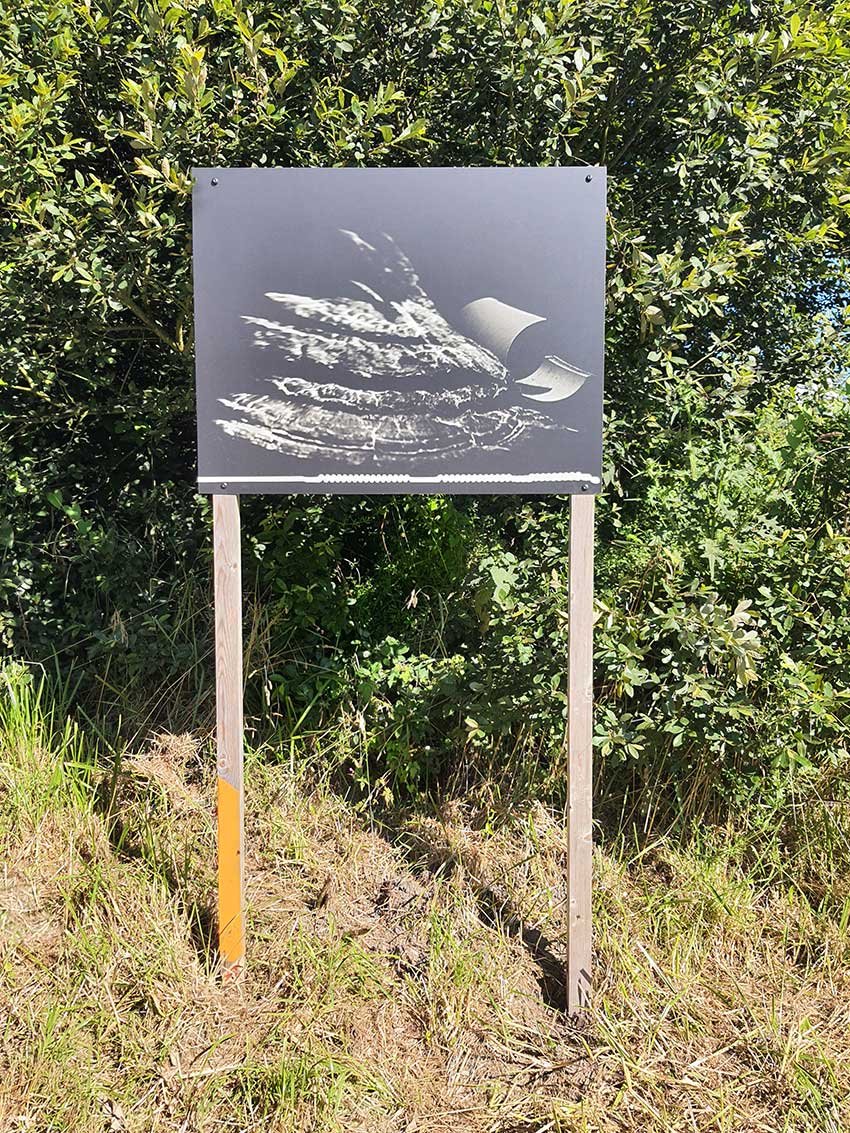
<point x="450" y="478"/>
<point x="405" y="478"/>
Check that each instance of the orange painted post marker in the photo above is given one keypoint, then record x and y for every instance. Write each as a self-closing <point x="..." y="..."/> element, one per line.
<point x="580" y="753"/>
<point x="227" y="561"/>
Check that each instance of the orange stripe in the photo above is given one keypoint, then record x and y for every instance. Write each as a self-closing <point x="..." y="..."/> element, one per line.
<point x="231" y="934"/>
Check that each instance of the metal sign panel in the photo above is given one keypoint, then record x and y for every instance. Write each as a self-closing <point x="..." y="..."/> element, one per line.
<point x="399" y="330"/>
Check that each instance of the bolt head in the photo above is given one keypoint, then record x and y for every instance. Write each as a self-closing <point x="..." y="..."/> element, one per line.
<point x="589" y="177"/>
<point x="214" y="181"/>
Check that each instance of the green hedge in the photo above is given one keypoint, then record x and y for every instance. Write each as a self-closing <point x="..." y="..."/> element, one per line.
<point x="418" y="628"/>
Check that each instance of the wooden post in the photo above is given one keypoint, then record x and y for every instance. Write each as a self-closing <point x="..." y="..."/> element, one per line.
<point x="227" y="560"/>
<point x="580" y="752"/>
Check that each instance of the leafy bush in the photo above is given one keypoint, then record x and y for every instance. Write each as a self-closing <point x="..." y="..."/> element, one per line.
<point x="419" y="625"/>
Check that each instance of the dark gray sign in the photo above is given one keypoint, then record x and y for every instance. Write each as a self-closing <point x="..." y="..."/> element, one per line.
<point x="399" y="330"/>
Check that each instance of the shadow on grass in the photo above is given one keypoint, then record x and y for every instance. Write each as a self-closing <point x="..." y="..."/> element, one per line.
<point x="119" y="793"/>
<point x="493" y="903"/>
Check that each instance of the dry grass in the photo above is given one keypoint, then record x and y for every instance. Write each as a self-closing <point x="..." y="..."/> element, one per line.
<point x="399" y="980"/>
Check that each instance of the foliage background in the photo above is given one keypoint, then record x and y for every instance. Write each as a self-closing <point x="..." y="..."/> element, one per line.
<point x="412" y="637"/>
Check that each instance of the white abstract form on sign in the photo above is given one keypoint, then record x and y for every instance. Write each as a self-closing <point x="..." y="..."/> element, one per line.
<point x="386" y="378"/>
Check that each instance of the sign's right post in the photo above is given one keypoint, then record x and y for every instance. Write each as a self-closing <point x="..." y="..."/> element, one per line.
<point x="580" y="752"/>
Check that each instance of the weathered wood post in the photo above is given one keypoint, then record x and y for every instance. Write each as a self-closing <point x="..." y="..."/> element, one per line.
<point x="580" y="752"/>
<point x="227" y="558"/>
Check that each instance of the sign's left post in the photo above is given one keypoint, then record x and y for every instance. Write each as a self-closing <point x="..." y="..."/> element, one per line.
<point x="227" y="558"/>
